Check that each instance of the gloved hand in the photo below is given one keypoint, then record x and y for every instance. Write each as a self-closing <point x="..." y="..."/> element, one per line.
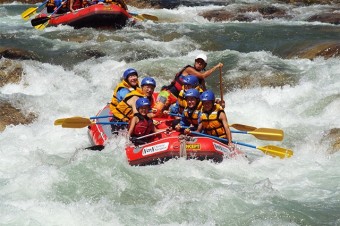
<point x="220" y="102"/>
<point x="132" y="139"/>
<point x="178" y="127"/>
<point x="187" y="131"/>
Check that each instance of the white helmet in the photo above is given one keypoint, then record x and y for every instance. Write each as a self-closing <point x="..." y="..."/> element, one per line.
<point x="203" y="57"/>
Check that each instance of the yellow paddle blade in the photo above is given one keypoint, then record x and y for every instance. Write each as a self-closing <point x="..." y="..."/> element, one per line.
<point x="243" y="127"/>
<point x="276" y="151"/>
<point x="41" y="26"/>
<point x="268" y="134"/>
<point x="139" y="17"/>
<point x="148" y="17"/>
<point x="28" y="13"/>
<point x="76" y="122"/>
<point x="59" y="121"/>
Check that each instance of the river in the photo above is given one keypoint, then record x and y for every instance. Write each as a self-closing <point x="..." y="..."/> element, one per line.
<point x="47" y="178"/>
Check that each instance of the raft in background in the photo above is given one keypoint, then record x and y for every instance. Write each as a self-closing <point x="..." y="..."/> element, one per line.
<point x="95" y="16"/>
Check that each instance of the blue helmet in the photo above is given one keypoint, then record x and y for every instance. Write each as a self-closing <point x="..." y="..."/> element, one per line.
<point x="192" y="93"/>
<point x="128" y="72"/>
<point x="207" y="95"/>
<point x="148" y="81"/>
<point x="190" y="80"/>
<point x="142" y="102"/>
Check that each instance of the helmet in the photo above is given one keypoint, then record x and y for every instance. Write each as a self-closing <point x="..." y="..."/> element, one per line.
<point x="207" y="95"/>
<point x="128" y="72"/>
<point x="142" y="102"/>
<point x="148" y="81"/>
<point x="192" y="93"/>
<point x="190" y="80"/>
<point x="203" y="57"/>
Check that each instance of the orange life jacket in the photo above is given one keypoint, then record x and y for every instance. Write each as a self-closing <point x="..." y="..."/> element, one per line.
<point x="52" y="4"/>
<point x="211" y="123"/>
<point x="121" y="85"/>
<point x="123" y="111"/>
<point x="192" y="116"/>
<point x="182" y="103"/>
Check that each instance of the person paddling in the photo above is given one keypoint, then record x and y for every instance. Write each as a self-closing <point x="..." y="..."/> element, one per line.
<point x="75" y="4"/>
<point x="213" y="120"/>
<point x="189" y="82"/>
<point x="169" y="94"/>
<point x="130" y="83"/>
<point x="192" y="112"/>
<point x="121" y="3"/>
<point x="52" y="5"/>
<point x="141" y="124"/>
<point x="125" y="109"/>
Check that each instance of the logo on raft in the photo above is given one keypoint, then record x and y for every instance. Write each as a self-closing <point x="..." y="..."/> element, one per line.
<point x="221" y="148"/>
<point x="155" y="148"/>
<point x="193" y="146"/>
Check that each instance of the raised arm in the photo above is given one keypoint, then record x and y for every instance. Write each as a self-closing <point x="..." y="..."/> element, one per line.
<point x="201" y="75"/>
<point x="132" y="103"/>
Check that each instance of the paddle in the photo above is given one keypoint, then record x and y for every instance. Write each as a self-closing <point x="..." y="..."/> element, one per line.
<point x="80" y="122"/>
<point x="41" y="22"/>
<point x="243" y="127"/>
<point x="268" y="150"/>
<point x="95" y="148"/>
<point x="264" y="134"/>
<point x="221" y="89"/>
<point x="261" y="133"/>
<point x="151" y="134"/>
<point x="61" y="120"/>
<point x="31" y="11"/>
<point x="236" y="126"/>
<point x="144" y="16"/>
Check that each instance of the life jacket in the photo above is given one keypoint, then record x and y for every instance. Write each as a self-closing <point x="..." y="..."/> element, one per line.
<point x="123" y="111"/>
<point x="120" y="3"/>
<point x="86" y="3"/>
<point x="143" y="127"/>
<point x="121" y="85"/>
<point x="176" y="84"/>
<point x="152" y="100"/>
<point x="191" y="116"/>
<point x="78" y="4"/>
<point x="211" y="123"/>
<point x="53" y="4"/>
<point x="182" y="103"/>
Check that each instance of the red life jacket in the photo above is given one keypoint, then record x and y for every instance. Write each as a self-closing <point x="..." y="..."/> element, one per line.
<point x="78" y="4"/>
<point x="176" y="85"/>
<point x="143" y="127"/>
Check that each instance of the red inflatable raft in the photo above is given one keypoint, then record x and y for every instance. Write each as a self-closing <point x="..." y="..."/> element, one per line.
<point x="163" y="146"/>
<point x="96" y="16"/>
<point x="173" y="145"/>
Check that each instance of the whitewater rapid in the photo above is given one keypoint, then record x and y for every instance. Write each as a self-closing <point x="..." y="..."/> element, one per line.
<point x="47" y="178"/>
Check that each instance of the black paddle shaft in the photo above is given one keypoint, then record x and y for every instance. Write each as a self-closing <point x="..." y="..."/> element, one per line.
<point x="40" y="20"/>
